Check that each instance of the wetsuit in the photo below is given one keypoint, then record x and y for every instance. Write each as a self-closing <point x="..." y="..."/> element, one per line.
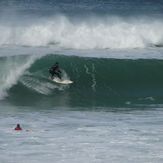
<point x="18" y="128"/>
<point x="54" y="70"/>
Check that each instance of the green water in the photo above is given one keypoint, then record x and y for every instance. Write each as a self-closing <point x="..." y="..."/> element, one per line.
<point x="97" y="82"/>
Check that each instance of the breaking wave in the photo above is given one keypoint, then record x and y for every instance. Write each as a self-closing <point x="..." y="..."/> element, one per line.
<point x="11" y="69"/>
<point x="97" y="81"/>
<point x="89" y="33"/>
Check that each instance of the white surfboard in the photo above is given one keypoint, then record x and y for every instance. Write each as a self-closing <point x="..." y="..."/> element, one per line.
<point x="62" y="81"/>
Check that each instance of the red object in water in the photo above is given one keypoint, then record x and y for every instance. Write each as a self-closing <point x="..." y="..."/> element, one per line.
<point x="18" y="128"/>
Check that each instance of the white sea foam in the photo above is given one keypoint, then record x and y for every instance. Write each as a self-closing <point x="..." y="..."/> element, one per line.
<point x="61" y="136"/>
<point x="11" y="70"/>
<point x="91" y="33"/>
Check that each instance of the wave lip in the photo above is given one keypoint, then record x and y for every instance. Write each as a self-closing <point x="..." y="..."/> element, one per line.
<point x="11" y="70"/>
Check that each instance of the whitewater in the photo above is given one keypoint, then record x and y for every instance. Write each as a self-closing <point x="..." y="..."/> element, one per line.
<point x="112" y="51"/>
<point x="91" y="33"/>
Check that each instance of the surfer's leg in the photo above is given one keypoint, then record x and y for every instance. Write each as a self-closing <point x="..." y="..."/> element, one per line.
<point x="59" y="75"/>
<point x="52" y="75"/>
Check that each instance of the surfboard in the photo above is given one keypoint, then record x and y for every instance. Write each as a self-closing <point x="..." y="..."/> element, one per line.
<point x="62" y="81"/>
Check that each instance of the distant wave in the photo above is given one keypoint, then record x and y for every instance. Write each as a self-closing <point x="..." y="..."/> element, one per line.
<point x="89" y="33"/>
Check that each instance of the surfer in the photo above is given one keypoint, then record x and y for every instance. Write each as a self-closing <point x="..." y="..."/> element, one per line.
<point x="18" y="128"/>
<point x="55" y="70"/>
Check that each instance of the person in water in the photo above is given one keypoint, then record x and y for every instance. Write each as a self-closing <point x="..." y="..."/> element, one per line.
<point x="55" y="71"/>
<point x="18" y="128"/>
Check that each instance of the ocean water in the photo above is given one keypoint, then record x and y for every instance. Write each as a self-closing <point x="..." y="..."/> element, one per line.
<point x="112" y="50"/>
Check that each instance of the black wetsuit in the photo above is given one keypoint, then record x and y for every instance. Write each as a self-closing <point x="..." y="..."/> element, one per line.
<point x="54" y="70"/>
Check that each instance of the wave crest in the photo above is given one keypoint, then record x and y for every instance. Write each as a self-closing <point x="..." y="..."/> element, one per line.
<point x="91" y="33"/>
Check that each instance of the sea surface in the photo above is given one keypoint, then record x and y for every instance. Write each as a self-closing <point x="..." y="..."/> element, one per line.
<point x="112" y="50"/>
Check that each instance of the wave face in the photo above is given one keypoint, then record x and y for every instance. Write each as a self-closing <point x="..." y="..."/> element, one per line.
<point x="97" y="82"/>
<point x="82" y="25"/>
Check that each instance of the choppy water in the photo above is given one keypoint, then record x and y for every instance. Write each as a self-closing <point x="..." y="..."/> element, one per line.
<point x="75" y="136"/>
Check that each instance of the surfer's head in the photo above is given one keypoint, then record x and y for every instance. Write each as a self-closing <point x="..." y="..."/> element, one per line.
<point x="18" y="127"/>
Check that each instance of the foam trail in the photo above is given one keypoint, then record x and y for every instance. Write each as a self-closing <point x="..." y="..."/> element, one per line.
<point x="93" y="78"/>
<point x="90" y="33"/>
<point x="92" y="74"/>
<point x="11" y="70"/>
<point x="41" y="87"/>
